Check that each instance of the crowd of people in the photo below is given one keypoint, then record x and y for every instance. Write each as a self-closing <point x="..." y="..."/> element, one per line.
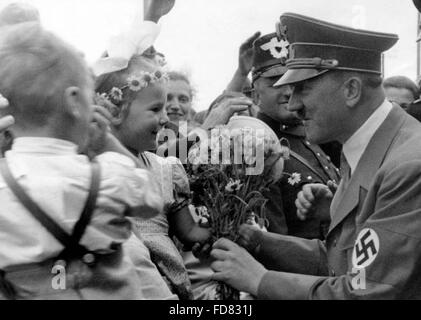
<point x="94" y="178"/>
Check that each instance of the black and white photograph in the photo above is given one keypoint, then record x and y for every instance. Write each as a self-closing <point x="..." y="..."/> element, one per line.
<point x="228" y="151"/>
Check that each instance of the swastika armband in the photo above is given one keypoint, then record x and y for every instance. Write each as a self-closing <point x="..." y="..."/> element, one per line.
<point x="366" y="248"/>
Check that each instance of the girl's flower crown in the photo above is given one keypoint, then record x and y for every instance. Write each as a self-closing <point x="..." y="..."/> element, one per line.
<point x="135" y="83"/>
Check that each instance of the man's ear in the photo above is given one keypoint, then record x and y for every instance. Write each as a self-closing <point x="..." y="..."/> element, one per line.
<point x="353" y="91"/>
<point x="72" y="102"/>
<point x="256" y="96"/>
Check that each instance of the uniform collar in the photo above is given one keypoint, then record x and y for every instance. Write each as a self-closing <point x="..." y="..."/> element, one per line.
<point x="355" y="146"/>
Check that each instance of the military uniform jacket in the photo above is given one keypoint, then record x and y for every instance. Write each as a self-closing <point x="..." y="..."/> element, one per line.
<point x="373" y="248"/>
<point x="282" y="213"/>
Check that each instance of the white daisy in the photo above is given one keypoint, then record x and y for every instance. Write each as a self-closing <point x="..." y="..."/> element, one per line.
<point x="233" y="185"/>
<point x="116" y="94"/>
<point x="136" y="83"/>
<point x="294" y="179"/>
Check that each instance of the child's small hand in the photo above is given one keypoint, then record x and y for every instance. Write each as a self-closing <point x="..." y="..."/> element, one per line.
<point x="99" y="130"/>
<point x="202" y="250"/>
<point x="250" y="237"/>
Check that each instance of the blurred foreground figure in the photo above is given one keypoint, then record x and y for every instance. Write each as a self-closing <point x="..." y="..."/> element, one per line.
<point x="64" y="219"/>
<point x="17" y="13"/>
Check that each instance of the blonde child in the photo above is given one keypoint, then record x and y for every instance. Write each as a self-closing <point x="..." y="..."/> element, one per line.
<point x="136" y="97"/>
<point x="62" y="243"/>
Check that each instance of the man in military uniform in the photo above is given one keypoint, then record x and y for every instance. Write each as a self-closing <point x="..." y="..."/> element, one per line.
<point x="308" y="163"/>
<point x="372" y="250"/>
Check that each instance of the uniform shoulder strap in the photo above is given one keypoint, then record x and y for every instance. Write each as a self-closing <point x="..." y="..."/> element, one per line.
<point x="62" y="236"/>
<point x="88" y="210"/>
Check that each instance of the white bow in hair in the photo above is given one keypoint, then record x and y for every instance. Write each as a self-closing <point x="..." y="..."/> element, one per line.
<point x="123" y="46"/>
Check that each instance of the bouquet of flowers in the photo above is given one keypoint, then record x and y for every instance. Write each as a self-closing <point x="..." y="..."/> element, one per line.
<point x="229" y="174"/>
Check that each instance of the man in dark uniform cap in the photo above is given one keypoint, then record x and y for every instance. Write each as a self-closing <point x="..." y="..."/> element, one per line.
<point x="372" y="250"/>
<point x="307" y="162"/>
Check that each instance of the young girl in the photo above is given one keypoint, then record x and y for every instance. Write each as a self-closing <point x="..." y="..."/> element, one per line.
<point x="136" y="97"/>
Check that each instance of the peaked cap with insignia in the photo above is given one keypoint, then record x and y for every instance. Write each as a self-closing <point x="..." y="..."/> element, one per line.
<point x="318" y="46"/>
<point x="270" y="56"/>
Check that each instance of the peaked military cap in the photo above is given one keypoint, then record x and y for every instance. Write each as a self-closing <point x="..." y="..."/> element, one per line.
<point x="317" y="46"/>
<point x="270" y="56"/>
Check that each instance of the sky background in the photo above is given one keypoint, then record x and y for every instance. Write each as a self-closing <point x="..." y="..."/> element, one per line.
<point x="202" y="37"/>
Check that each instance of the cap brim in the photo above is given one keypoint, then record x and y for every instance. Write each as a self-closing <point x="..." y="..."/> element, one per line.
<point x="275" y="71"/>
<point x="293" y="76"/>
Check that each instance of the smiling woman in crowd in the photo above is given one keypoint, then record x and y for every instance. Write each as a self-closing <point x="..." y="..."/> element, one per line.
<point x="180" y="95"/>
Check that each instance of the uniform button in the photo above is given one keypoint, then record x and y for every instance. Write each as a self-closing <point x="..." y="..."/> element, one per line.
<point x="328" y="158"/>
<point x="309" y="178"/>
<point x="307" y="143"/>
<point x="318" y="154"/>
<point x="88" y="258"/>
<point x="326" y="167"/>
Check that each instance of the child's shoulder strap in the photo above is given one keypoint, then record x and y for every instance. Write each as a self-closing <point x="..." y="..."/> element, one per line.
<point x="70" y="242"/>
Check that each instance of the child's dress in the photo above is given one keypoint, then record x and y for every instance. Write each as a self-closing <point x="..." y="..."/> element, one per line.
<point x="170" y="174"/>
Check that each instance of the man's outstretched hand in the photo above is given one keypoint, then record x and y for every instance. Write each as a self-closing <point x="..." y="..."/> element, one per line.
<point x="155" y="9"/>
<point x="236" y="267"/>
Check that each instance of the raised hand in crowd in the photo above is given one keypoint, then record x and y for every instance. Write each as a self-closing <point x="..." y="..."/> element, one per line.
<point x="219" y="113"/>
<point x="245" y="64"/>
<point x="314" y="198"/>
<point x="224" y="107"/>
<point x="155" y="9"/>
